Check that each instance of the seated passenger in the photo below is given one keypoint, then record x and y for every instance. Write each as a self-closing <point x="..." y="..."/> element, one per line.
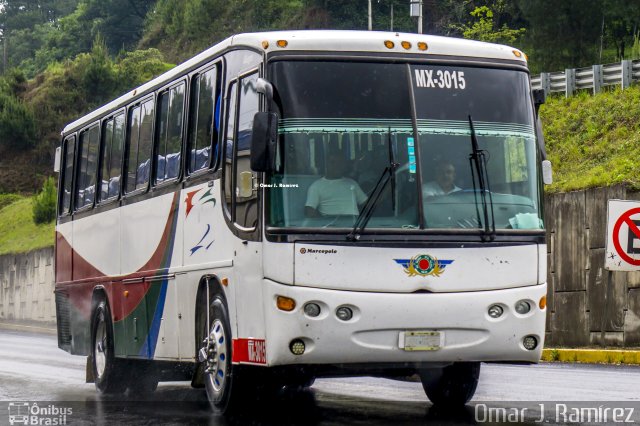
<point x="334" y="194"/>
<point x="444" y="183"/>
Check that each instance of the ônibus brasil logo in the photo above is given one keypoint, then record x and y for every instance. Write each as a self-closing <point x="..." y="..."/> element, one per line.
<point x="25" y="413"/>
<point x="423" y="265"/>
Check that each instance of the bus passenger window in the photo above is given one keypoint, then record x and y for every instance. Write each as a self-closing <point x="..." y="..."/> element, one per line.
<point x="145" y="144"/>
<point x="169" y="140"/>
<point x="204" y="120"/>
<point x="70" y="148"/>
<point x="113" y="139"/>
<point x="134" y="136"/>
<point x="86" y="181"/>
<point x="116" y="156"/>
<point x="140" y="143"/>
<point x="107" y="141"/>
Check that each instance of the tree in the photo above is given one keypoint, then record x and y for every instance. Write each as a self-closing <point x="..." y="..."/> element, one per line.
<point x="21" y="24"/>
<point x="484" y="28"/>
<point x="44" y="204"/>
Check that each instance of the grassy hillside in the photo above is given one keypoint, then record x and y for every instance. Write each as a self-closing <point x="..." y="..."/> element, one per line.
<point x="18" y="233"/>
<point x="593" y="140"/>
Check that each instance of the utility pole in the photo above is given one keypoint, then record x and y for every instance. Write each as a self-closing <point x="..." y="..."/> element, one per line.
<point x="416" y="10"/>
<point x="370" y="19"/>
<point x="391" y="29"/>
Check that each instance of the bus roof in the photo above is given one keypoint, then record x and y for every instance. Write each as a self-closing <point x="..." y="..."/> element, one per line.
<point x="319" y="40"/>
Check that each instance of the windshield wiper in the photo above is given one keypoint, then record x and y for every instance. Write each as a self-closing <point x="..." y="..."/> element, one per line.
<point x="388" y="174"/>
<point x="478" y="159"/>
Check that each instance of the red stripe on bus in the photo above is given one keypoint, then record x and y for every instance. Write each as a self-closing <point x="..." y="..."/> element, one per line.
<point x="82" y="270"/>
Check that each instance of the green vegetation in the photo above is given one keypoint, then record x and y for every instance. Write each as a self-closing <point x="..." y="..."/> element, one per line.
<point x="6" y="199"/>
<point x="18" y="233"/>
<point x="44" y="204"/>
<point x="484" y="28"/>
<point x="593" y="140"/>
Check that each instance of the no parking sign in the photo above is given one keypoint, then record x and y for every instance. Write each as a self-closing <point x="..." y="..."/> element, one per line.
<point x="623" y="236"/>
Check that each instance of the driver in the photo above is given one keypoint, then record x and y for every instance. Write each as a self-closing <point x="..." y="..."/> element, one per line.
<point x="334" y="194"/>
<point x="444" y="183"/>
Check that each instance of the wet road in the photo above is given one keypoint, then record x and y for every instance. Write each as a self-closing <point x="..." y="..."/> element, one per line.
<point x="32" y="368"/>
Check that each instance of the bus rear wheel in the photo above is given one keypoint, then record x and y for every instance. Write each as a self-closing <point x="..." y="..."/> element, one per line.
<point x="453" y="385"/>
<point x="109" y="372"/>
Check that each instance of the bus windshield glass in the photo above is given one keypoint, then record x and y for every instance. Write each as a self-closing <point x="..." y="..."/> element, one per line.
<point x="343" y="123"/>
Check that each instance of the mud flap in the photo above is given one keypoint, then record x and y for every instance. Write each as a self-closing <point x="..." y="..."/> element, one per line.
<point x="89" y="378"/>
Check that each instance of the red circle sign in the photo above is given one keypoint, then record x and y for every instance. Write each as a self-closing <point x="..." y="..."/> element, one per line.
<point x="626" y="218"/>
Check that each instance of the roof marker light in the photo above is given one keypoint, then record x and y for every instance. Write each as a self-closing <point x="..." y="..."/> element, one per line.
<point x="265" y="44"/>
<point x="517" y="53"/>
<point x="406" y="45"/>
<point x="422" y="45"/>
<point x="282" y="43"/>
<point x="389" y="44"/>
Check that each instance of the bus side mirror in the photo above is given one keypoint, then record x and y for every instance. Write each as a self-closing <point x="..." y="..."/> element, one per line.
<point x="264" y="139"/>
<point x="58" y="160"/>
<point x="539" y="98"/>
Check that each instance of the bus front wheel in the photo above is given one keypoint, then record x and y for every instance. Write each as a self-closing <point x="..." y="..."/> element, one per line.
<point x="453" y="385"/>
<point x="221" y="381"/>
<point x="108" y="371"/>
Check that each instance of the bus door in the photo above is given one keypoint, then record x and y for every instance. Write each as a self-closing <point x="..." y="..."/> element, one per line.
<point x="241" y="197"/>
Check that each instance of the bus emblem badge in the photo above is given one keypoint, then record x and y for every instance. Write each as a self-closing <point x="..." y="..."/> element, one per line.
<point x="423" y="265"/>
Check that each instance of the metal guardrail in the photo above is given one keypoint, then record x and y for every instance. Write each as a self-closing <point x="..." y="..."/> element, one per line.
<point x="590" y="78"/>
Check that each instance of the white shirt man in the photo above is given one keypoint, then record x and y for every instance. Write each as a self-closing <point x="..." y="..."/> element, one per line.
<point x="432" y="189"/>
<point x="444" y="183"/>
<point x="335" y="196"/>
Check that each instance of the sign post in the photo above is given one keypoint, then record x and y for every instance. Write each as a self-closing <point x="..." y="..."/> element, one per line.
<point x="623" y="236"/>
<point x="622" y="252"/>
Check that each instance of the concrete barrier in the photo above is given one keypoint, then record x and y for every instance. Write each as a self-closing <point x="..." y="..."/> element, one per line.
<point x="26" y="287"/>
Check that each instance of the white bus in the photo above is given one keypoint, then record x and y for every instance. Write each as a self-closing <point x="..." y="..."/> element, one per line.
<point x="301" y="204"/>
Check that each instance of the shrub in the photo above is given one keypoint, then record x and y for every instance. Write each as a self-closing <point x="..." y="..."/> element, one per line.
<point x="44" y="204"/>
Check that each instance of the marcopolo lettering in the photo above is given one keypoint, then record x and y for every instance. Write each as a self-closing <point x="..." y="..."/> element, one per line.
<point x="317" y="251"/>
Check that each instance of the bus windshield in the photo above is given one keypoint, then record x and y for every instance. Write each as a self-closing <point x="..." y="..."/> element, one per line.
<point x="342" y="123"/>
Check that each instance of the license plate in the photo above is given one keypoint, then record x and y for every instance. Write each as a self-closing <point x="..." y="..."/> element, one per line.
<point x="421" y="340"/>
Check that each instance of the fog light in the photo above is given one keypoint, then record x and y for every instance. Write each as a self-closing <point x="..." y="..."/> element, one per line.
<point x="297" y="347"/>
<point x="344" y="313"/>
<point x="523" y="307"/>
<point x="495" y="311"/>
<point x="312" y="309"/>
<point x="530" y="343"/>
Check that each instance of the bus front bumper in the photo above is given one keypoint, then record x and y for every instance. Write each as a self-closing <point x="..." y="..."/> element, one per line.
<point x="403" y="328"/>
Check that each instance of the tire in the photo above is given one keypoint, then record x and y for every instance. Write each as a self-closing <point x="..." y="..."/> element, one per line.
<point x="451" y="386"/>
<point x="221" y="378"/>
<point x="109" y="372"/>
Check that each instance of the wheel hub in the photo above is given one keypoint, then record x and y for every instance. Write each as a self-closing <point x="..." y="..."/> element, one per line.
<point x="214" y="356"/>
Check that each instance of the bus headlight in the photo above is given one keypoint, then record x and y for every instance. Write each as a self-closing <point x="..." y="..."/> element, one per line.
<point x="523" y="307"/>
<point x="312" y="309"/>
<point x="495" y="311"/>
<point x="344" y="313"/>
